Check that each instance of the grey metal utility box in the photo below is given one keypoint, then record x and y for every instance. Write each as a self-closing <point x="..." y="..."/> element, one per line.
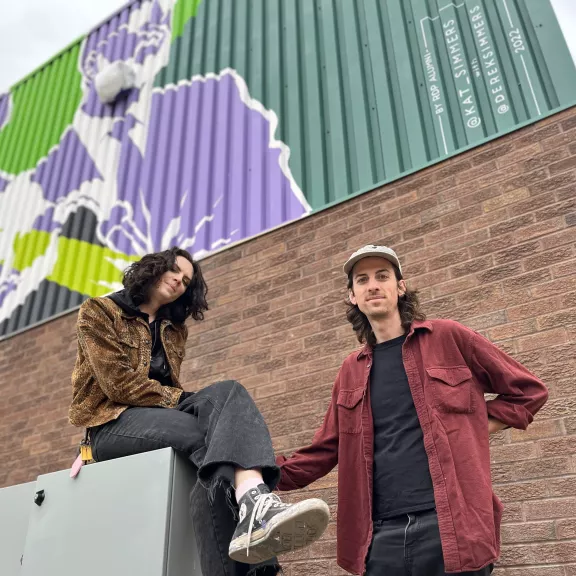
<point x="122" y="517"/>
<point x="14" y="511"/>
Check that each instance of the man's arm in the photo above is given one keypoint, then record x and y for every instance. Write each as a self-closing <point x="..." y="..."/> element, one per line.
<point x="495" y="426"/>
<point x="316" y="460"/>
<point x="111" y="365"/>
<point x="520" y="393"/>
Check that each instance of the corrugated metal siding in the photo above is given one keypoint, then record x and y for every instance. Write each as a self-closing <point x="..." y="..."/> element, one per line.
<point x="40" y="110"/>
<point x="248" y="114"/>
<point x="353" y="82"/>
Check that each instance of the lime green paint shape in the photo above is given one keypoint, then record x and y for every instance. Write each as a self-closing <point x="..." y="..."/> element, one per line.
<point x="95" y="262"/>
<point x="43" y="107"/>
<point x="27" y="247"/>
<point x="183" y="11"/>
<point x="82" y="267"/>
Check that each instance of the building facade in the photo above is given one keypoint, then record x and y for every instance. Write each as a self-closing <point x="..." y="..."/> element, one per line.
<point x="275" y="139"/>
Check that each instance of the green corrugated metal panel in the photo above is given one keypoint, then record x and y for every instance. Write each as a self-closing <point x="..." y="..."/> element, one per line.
<point x="42" y="107"/>
<point x="248" y="114"/>
<point x="369" y="90"/>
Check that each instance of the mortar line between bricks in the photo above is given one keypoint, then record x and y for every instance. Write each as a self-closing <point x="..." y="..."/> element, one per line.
<point x="536" y="500"/>
<point x="535" y="544"/>
<point x="540" y="521"/>
<point x="570" y="475"/>
<point x="525" y="566"/>
<point x="554" y="477"/>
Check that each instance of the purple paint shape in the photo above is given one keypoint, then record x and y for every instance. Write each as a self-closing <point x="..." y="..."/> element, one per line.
<point x="3" y="184"/>
<point x="55" y="175"/>
<point x="215" y="171"/>
<point x="8" y="285"/>
<point x="4" y="108"/>
<point x="46" y="222"/>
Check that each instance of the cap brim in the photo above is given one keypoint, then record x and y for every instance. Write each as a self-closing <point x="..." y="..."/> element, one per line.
<point x="350" y="263"/>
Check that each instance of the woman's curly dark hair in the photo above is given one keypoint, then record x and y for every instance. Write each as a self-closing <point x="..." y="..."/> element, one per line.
<point x="408" y="305"/>
<point x="141" y="276"/>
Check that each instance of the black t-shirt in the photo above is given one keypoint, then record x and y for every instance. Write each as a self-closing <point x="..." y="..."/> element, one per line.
<point x="402" y="482"/>
<point x="159" y="369"/>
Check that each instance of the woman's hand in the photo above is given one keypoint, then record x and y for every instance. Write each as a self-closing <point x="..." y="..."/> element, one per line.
<point x="184" y="396"/>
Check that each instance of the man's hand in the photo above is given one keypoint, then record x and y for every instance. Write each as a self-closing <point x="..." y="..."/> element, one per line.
<point x="495" y="426"/>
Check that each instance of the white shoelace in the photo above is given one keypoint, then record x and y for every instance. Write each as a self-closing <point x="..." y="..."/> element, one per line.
<point x="263" y="503"/>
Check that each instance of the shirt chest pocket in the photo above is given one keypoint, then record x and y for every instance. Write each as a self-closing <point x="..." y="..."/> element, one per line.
<point x="131" y="348"/>
<point x="174" y="344"/>
<point x="350" y="404"/>
<point x="453" y="389"/>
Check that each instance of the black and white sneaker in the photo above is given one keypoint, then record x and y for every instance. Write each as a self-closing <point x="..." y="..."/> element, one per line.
<point x="268" y="527"/>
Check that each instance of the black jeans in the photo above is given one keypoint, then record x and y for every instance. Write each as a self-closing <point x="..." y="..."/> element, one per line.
<point x="219" y="429"/>
<point x="409" y="545"/>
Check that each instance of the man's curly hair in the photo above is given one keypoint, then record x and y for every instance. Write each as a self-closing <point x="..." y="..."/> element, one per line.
<point x="140" y="277"/>
<point x="408" y="306"/>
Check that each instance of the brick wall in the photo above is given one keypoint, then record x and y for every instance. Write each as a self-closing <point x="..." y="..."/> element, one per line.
<point x="489" y="237"/>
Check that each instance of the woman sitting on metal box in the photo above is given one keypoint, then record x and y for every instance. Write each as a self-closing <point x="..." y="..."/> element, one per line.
<point x="127" y="394"/>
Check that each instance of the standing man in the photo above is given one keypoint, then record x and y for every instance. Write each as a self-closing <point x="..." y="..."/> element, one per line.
<point x="408" y="426"/>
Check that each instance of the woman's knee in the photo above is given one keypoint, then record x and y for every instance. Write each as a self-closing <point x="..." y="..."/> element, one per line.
<point x="223" y="393"/>
<point x="224" y="388"/>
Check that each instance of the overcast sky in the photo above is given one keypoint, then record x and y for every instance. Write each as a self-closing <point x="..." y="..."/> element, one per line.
<point x="566" y="14"/>
<point x="31" y="31"/>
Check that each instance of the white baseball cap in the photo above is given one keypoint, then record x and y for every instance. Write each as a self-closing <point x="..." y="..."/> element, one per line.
<point x="372" y="250"/>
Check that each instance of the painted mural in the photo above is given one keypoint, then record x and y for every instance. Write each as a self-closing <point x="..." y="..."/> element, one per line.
<point x="106" y="162"/>
<point x="245" y="115"/>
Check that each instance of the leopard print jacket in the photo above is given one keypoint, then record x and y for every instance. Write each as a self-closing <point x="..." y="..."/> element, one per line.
<point x="113" y="361"/>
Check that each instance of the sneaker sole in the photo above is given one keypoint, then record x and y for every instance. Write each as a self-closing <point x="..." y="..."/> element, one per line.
<point x="303" y="524"/>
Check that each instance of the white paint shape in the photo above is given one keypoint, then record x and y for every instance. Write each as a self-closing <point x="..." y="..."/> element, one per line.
<point x="508" y="14"/>
<point x="435" y="18"/>
<point x="30" y="278"/>
<point x="531" y="86"/>
<point x="443" y="135"/>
